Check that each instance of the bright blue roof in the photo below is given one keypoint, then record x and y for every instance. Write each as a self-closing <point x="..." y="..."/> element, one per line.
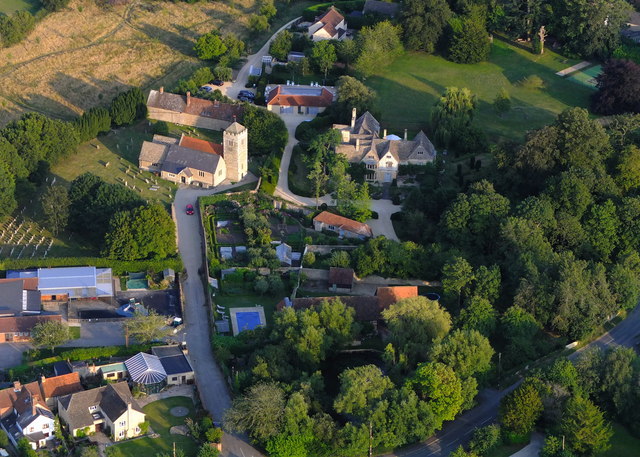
<point x="13" y="274"/>
<point x="76" y="282"/>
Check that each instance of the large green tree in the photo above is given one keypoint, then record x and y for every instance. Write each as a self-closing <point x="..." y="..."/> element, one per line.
<point x="469" y="39"/>
<point x="147" y="328"/>
<point x="360" y="389"/>
<point x="127" y="107"/>
<point x="423" y="23"/>
<point x="323" y="56"/>
<point x="453" y="113"/>
<point x="520" y="410"/>
<point x="259" y="412"/>
<point x="209" y="46"/>
<point x="55" y="206"/>
<point x="281" y="45"/>
<point x="379" y="46"/>
<point x="7" y="190"/>
<point x="438" y="385"/>
<point x="50" y="334"/>
<point x="352" y="93"/>
<point x="467" y="352"/>
<point x="586" y="429"/>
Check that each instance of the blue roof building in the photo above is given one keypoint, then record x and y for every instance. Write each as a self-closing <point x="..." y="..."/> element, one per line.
<point x="74" y="282"/>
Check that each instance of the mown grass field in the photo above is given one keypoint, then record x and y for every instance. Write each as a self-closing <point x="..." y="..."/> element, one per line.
<point x="84" y="55"/>
<point x="10" y="6"/>
<point x="161" y="421"/>
<point x="623" y="444"/>
<point x="408" y="89"/>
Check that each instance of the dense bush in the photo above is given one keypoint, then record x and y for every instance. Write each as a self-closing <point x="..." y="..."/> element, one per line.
<point x="92" y="123"/>
<point x="127" y="107"/>
<point x="16" y="27"/>
<point x="119" y="267"/>
<point x="267" y="131"/>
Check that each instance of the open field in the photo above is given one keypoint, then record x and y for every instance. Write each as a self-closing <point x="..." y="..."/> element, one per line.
<point x="161" y="421"/>
<point x="623" y="444"/>
<point x="408" y="89"/>
<point x="83" y="56"/>
<point x="10" y="6"/>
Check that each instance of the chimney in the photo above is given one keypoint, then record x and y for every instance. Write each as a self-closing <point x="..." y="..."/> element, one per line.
<point x="188" y="98"/>
<point x="162" y="89"/>
<point x="42" y="379"/>
<point x="353" y="118"/>
<point x="405" y="134"/>
<point x="33" y="406"/>
<point x="16" y="386"/>
<point x="384" y="133"/>
<point x="357" y="144"/>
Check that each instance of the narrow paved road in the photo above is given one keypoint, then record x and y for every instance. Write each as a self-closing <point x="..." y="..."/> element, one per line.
<point x="458" y="432"/>
<point x="212" y="386"/>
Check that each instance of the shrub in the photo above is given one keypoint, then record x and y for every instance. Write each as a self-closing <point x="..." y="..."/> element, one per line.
<point x="309" y="259"/>
<point x="214" y="435"/>
<point x="127" y="107"/>
<point x="532" y="82"/>
<point x="144" y="427"/>
<point x="485" y="439"/>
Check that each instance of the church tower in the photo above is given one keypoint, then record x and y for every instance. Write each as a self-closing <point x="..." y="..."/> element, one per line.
<point x="236" y="157"/>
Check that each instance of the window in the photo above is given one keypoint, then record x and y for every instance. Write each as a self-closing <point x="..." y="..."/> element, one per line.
<point x="201" y="174"/>
<point x="30" y="429"/>
<point x="331" y="227"/>
<point x="171" y="175"/>
<point x="220" y="172"/>
<point x="420" y="151"/>
<point x="175" y="378"/>
<point x="45" y="426"/>
<point x="122" y="423"/>
<point x="389" y="164"/>
<point x="371" y="166"/>
<point x="121" y="434"/>
<point x="93" y="408"/>
<point x="137" y="429"/>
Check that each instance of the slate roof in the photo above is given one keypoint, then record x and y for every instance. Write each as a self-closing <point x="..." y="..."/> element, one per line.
<point x="341" y="277"/>
<point x="25" y="323"/>
<point x="58" y="386"/>
<point x="153" y="152"/>
<point x="178" y="158"/>
<point x="61" y="368"/>
<point x="112" y="400"/>
<point x="201" y="145"/>
<point x="300" y="96"/>
<point x="145" y="368"/>
<point x="166" y="351"/>
<point x="382" y="8"/>
<point x="27" y="283"/>
<point x="366" y="307"/>
<point x="366" y="125"/>
<point x="344" y="223"/>
<point x="172" y="359"/>
<point x="197" y="106"/>
<point x="235" y="128"/>
<point x="15" y="300"/>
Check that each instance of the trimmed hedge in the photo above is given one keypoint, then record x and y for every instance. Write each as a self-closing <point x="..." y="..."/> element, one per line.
<point x="93" y="353"/>
<point x="119" y="267"/>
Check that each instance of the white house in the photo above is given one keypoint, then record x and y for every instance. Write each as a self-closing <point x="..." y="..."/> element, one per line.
<point x="330" y="26"/>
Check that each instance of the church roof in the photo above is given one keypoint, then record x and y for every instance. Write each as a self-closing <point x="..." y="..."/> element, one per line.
<point x="235" y="128"/>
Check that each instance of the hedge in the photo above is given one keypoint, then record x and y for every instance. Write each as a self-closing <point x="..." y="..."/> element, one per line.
<point x="92" y="353"/>
<point x="119" y="267"/>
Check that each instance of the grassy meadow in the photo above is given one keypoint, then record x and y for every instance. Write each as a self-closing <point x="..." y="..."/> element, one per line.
<point x="11" y="6"/>
<point x="408" y="89"/>
<point x="83" y="56"/>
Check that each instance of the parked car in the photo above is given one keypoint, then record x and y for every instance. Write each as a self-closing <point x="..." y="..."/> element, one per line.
<point x="190" y="210"/>
<point x="207" y="88"/>
<point x="243" y="98"/>
<point x="217" y="82"/>
<point x="247" y="94"/>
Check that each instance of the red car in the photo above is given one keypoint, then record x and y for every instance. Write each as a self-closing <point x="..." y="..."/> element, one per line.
<point x="190" y="210"/>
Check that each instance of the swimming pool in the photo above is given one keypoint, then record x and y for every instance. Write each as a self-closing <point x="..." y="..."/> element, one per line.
<point x="248" y="320"/>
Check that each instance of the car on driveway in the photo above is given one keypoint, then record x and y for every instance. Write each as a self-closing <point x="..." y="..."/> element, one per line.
<point x="246" y="94"/>
<point x="190" y="210"/>
<point x="242" y="98"/>
<point x="207" y="88"/>
<point x="217" y="82"/>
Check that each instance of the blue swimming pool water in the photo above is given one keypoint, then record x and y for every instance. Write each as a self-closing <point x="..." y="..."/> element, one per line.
<point x="248" y="320"/>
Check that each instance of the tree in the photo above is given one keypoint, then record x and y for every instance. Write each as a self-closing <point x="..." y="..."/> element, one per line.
<point x="267" y="131"/>
<point x="467" y="352"/>
<point x="206" y="450"/>
<point x="209" y="46"/>
<point x="601" y="226"/>
<point x="340" y="259"/>
<point x="519" y="329"/>
<point x="469" y="40"/>
<point x="453" y="113"/>
<point x="354" y="94"/>
<point x="456" y="276"/>
<point x="485" y="439"/>
<point x="520" y="410"/>
<point x="323" y="56"/>
<point x="585" y="427"/>
<point x="438" y="385"/>
<point x="55" y="5"/>
<point x="319" y="179"/>
<point x="90" y="451"/>
<point x="281" y="45"/>
<point x="589" y="28"/>
<point x="259" y="412"/>
<point x="16" y="27"/>
<point x="502" y="102"/>
<point x="258" y="23"/>
<point x="25" y="449"/>
<point x="49" y="334"/>
<point x="478" y="315"/>
<point x="379" y="46"/>
<point x="360" y="388"/>
<point x="261" y="286"/>
<point x="127" y="107"/>
<point x="554" y="447"/>
<point x="93" y="122"/>
<point x="4" y="439"/>
<point x="352" y="198"/>
<point x="423" y="23"/>
<point x="628" y="168"/>
<point x="7" y="190"/>
<point x="55" y="206"/>
<point x="618" y="88"/>
<point x="223" y="73"/>
<point x="415" y="324"/>
<point x="347" y="51"/>
<point x="146" y="329"/>
<point x="267" y="9"/>
<point x="460" y="452"/>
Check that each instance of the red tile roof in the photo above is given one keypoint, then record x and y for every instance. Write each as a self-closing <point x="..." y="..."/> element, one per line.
<point x="61" y="385"/>
<point x="18" y="397"/>
<point x="201" y="145"/>
<point x="331" y="19"/>
<point x="25" y="323"/>
<point x="197" y="106"/>
<point x="27" y="283"/>
<point x="344" y="223"/>
<point x="365" y="307"/>
<point x="276" y="97"/>
<point x="387" y="296"/>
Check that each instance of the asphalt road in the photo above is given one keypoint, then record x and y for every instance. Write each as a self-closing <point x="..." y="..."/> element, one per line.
<point x="212" y="386"/>
<point x="459" y="431"/>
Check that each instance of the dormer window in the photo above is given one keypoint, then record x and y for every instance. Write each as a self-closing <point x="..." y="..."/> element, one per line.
<point x="419" y="151"/>
<point x="92" y="408"/>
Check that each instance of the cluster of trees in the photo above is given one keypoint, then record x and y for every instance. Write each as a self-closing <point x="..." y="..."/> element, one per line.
<point x="618" y="88"/>
<point x="553" y="231"/>
<point x="29" y="146"/>
<point x="266" y="12"/>
<point x="114" y="217"/>
<point x="258" y="230"/>
<point x="223" y="50"/>
<point x="430" y="375"/>
<point x="15" y="27"/>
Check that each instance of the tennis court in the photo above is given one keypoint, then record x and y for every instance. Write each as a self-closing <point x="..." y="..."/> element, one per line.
<point x="586" y="76"/>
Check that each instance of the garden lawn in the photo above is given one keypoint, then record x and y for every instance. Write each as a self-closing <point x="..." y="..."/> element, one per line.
<point x="623" y="444"/>
<point x="161" y="421"/>
<point x="11" y="6"/>
<point x="408" y="89"/>
<point x="120" y="149"/>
